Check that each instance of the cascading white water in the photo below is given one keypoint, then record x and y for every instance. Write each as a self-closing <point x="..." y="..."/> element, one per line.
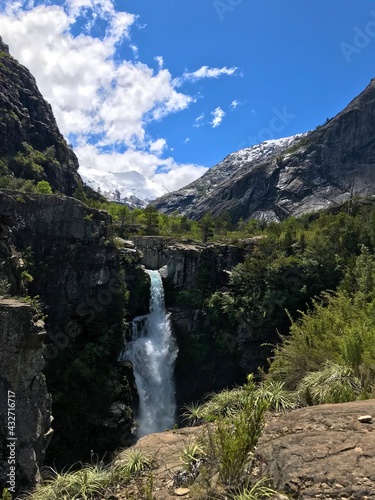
<point x="153" y="352"/>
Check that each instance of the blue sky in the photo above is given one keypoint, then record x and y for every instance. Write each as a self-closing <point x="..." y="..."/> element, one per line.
<point x="169" y="87"/>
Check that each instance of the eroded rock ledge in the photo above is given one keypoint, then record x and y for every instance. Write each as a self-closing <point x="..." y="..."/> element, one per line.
<point x="321" y="451"/>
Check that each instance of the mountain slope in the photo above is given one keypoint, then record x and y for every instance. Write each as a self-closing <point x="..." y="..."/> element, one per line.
<point x="31" y="146"/>
<point x="290" y="176"/>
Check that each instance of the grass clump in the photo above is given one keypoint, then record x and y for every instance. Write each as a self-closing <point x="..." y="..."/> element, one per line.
<point x="131" y="463"/>
<point x="333" y="384"/>
<point x="73" y="485"/>
<point x="92" y="481"/>
<point x="260" y="490"/>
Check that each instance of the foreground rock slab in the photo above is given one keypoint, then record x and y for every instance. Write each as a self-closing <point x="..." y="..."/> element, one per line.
<point x="321" y="452"/>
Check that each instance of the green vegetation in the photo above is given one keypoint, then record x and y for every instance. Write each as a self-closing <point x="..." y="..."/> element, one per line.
<point x="226" y="446"/>
<point x="91" y="481"/>
<point x="230" y="402"/>
<point x="4" y="287"/>
<point x="132" y="462"/>
<point x="6" y="495"/>
<point x="309" y="281"/>
<point x="43" y="187"/>
<point x="329" y="354"/>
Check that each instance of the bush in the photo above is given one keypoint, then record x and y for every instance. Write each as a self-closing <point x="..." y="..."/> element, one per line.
<point x="234" y="437"/>
<point x="43" y="187"/>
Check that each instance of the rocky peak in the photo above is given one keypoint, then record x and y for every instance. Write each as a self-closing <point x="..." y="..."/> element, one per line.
<point x="31" y="145"/>
<point x="290" y="176"/>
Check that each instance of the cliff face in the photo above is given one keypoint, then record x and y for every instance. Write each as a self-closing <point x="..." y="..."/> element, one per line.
<point x="31" y="146"/>
<point x="182" y="264"/>
<point x="65" y="249"/>
<point x="291" y="176"/>
<point x="24" y="401"/>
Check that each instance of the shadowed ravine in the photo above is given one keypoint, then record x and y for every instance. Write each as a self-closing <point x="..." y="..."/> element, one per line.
<point x="153" y="352"/>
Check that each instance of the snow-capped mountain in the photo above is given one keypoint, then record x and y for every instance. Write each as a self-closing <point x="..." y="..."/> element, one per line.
<point x="291" y="176"/>
<point x="131" y="188"/>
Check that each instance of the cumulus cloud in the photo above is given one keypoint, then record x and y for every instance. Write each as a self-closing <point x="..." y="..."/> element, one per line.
<point x="164" y="171"/>
<point x="97" y="97"/>
<point x="234" y="104"/>
<point x="218" y="115"/>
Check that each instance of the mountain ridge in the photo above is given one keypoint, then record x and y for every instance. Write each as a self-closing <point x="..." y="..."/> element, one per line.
<point x="291" y="176"/>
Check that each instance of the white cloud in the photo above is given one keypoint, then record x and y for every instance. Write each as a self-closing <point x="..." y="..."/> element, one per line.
<point x="160" y="61"/>
<point x="158" y="146"/>
<point x="135" y="50"/>
<point x="96" y="97"/>
<point x="198" y="121"/>
<point x="164" y="171"/>
<point x="234" y="104"/>
<point x="206" y="72"/>
<point x="187" y="140"/>
<point x="218" y="115"/>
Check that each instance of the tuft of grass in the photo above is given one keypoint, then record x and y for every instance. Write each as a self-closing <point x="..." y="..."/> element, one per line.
<point x="333" y="384"/>
<point x="73" y="485"/>
<point x="194" y="414"/>
<point x="278" y="399"/>
<point x="190" y="453"/>
<point x="257" y="491"/>
<point x="131" y="463"/>
<point x="225" y="403"/>
<point x="92" y="481"/>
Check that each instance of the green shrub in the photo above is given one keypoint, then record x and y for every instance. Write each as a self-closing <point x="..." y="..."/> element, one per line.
<point x="4" y="287"/>
<point x="233" y="438"/>
<point x="43" y="187"/>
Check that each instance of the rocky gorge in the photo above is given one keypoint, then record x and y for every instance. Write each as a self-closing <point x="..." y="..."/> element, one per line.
<point x="70" y="288"/>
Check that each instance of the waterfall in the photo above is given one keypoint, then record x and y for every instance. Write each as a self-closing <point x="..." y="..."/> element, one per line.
<point x="153" y="352"/>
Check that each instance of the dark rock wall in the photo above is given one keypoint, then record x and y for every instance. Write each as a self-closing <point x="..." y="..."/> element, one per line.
<point x="21" y="339"/>
<point x="182" y="263"/>
<point x="66" y="248"/>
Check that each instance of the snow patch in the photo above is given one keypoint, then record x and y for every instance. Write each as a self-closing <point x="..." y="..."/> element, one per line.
<point x="131" y="188"/>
